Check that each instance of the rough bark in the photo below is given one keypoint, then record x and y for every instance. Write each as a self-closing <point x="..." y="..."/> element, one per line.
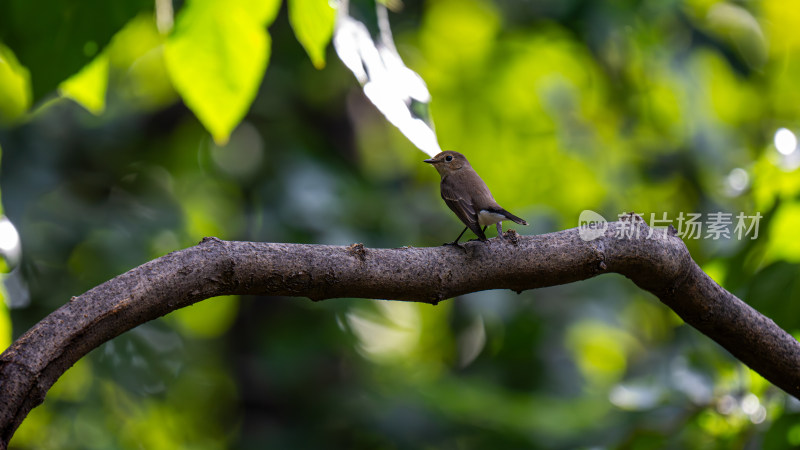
<point x="659" y="263"/>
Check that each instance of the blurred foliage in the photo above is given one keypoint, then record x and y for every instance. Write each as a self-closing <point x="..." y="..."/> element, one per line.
<point x="658" y="107"/>
<point x="5" y="319"/>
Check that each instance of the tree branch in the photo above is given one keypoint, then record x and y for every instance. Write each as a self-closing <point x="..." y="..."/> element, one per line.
<point x="660" y="264"/>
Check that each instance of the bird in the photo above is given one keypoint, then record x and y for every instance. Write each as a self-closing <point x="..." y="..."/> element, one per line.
<point x="467" y="195"/>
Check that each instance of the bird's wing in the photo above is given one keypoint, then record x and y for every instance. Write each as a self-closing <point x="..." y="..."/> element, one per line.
<point x="463" y="208"/>
<point x="483" y="200"/>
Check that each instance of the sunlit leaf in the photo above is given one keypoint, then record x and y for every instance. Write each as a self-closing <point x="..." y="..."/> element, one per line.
<point x="216" y="58"/>
<point x="262" y="11"/>
<point x="137" y="53"/>
<point x="139" y="37"/>
<point x="15" y="86"/>
<point x="312" y="22"/>
<point x="88" y="87"/>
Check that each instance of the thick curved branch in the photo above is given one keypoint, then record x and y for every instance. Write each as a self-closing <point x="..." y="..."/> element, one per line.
<point x="659" y="263"/>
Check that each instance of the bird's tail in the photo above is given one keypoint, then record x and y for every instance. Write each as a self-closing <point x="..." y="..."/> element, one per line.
<point x="512" y="217"/>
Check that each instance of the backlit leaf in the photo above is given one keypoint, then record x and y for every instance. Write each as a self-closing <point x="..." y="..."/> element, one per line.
<point x="216" y="58"/>
<point x="88" y="87"/>
<point x="312" y="22"/>
<point x="15" y="86"/>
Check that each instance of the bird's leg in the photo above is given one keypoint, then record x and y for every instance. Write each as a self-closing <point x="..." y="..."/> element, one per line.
<point x="478" y="238"/>
<point x="456" y="241"/>
<point x="500" y="230"/>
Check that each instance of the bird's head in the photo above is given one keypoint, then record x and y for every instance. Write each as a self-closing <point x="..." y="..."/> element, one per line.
<point x="448" y="162"/>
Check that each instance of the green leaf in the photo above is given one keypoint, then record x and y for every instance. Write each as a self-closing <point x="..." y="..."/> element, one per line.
<point x="55" y="39"/>
<point x="88" y="87"/>
<point x="137" y="51"/>
<point x="216" y="58"/>
<point x="15" y="87"/>
<point x="312" y="22"/>
<point x="262" y="11"/>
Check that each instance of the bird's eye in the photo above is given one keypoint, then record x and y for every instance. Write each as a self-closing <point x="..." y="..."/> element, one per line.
<point x="448" y="158"/>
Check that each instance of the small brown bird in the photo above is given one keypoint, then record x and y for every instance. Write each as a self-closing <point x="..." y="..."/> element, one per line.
<point x="467" y="195"/>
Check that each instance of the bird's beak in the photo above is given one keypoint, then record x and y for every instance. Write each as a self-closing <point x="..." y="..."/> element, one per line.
<point x="429" y="161"/>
